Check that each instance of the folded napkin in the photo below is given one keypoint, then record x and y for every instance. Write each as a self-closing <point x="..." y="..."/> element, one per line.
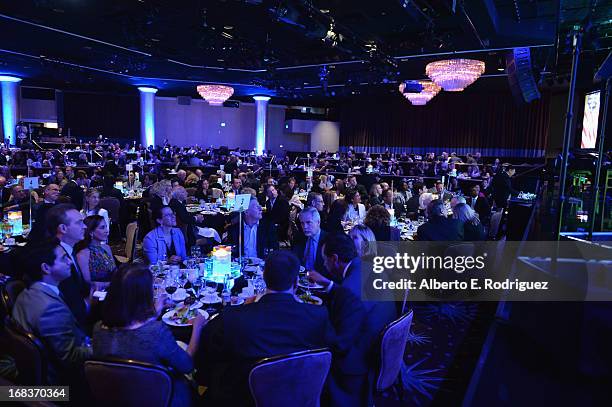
<point x="209" y="232"/>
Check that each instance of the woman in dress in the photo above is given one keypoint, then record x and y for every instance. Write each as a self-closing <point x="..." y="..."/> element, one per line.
<point x="91" y="206"/>
<point x="94" y="256"/>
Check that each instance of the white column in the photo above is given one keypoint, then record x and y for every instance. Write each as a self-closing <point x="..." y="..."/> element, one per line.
<point x="10" y="106"/>
<point x="147" y="115"/>
<point x="261" y="104"/>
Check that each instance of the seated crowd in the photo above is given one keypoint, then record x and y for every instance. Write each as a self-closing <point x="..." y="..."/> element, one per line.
<point x="328" y="225"/>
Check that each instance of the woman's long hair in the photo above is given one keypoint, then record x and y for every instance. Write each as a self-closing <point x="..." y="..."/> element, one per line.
<point x="89" y="193"/>
<point x="130" y="297"/>
<point x="91" y="222"/>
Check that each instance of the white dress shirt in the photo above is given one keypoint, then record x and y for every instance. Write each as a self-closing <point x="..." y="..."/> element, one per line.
<point x="250" y="240"/>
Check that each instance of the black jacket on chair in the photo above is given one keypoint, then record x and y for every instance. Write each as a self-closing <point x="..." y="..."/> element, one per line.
<point x="266" y="237"/>
<point x="240" y="336"/>
<point x="441" y="229"/>
<point x="185" y="219"/>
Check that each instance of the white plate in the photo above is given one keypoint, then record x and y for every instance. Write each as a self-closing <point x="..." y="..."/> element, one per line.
<point x="312" y="286"/>
<point x="166" y="317"/>
<point x="197" y="304"/>
<point x="240" y="302"/>
<point x="179" y="295"/>
<point x="216" y="301"/>
<point x="314" y="298"/>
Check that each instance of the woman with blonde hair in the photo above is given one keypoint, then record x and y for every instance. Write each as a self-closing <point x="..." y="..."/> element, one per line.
<point x="472" y="228"/>
<point x="364" y="239"/>
<point x="91" y="205"/>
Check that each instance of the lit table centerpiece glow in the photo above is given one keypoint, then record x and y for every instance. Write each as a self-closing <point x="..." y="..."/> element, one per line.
<point x="15" y="218"/>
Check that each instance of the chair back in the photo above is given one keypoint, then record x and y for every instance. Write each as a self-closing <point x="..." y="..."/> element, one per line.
<point x="112" y="205"/>
<point x="28" y="352"/>
<point x="9" y="293"/>
<point x="392" y="347"/>
<point x="290" y="380"/>
<point x="191" y="191"/>
<point x="217" y="193"/>
<point x="131" y="233"/>
<point x="494" y="225"/>
<point x="460" y="249"/>
<point x="129" y="383"/>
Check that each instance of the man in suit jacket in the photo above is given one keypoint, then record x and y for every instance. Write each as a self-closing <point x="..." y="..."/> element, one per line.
<point x="308" y="247"/>
<point x="185" y="219"/>
<point x="277" y="324"/>
<point x="277" y="210"/>
<point x="439" y="227"/>
<point x="41" y="310"/>
<point x="479" y="203"/>
<point x="39" y="225"/>
<point x="388" y="203"/>
<point x="65" y="223"/>
<point x="5" y="193"/>
<point x="257" y="234"/>
<point x="442" y="193"/>
<point x="74" y="192"/>
<point x="502" y="186"/>
<point x="351" y="383"/>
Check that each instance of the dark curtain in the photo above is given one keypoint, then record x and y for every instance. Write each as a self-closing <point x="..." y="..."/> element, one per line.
<point x="491" y="123"/>
<point x="113" y="116"/>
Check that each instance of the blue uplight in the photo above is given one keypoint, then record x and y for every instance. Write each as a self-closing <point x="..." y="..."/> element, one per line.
<point x="9" y="85"/>
<point x="8" y="78"/>
<point x="261" y="105"/>
<point x="147" y="115"/>
<point x="147" y="89"/>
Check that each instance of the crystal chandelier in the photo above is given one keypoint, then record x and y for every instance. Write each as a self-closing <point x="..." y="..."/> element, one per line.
<point x="421" y="98"/>
<point x="215" y="94"/>
<point x="454" y="75"/>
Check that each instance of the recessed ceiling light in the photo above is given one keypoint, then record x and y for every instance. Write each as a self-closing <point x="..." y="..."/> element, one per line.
<point x="501" y="69"/>
<point x="228" y="27"/>
<point x="227" y="35"/>
<point x="324" y="10"/>
<point x="155" y="39"/>
<point x="220" y="60"/>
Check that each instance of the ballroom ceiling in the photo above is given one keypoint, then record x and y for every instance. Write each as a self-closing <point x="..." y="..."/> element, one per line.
<point x="289" y="49"/>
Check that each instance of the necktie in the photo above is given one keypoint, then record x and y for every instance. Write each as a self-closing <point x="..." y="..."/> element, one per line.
<point x="310" y="256"/>
<point x="473" y="203"/>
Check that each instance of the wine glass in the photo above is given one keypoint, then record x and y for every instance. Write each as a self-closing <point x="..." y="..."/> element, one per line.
<point x="197" y="286"/>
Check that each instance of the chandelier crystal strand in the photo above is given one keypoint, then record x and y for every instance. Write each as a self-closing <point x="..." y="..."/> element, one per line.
<point x="215" y="94"/>
<point x="454" y="75"/>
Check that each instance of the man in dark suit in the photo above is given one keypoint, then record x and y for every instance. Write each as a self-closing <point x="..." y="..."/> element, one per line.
<point x="41" y="310"/>
<point x="479" y="203"/>
<point x="350" y="383"/>
<point x="352" y="184"/>
<point x="308" y="247"/>
<point x="39" y="225"/>
<point x="5" y="193"/>
<point x="502" y="186"/>
<point x="74" y="192"/>
<point x="236" y="186"/>
<point x="388" y="203"/>
<point x="184" y="219"/>
<point x="275" y="325"/>
<point x="277" y="210"/>
<point x="439" y="227"/>
<point x="65" y="223"/>
<point x="257" y="234"/>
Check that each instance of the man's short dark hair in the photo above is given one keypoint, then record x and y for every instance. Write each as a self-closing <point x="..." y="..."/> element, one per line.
<point x="57" y="215"/>
<point x="341" y="245"/>
<point x="436" y="208"/>
<point x="281" y="270"/>
<point x="312" y="196"/>
<point x="37" y="255"/>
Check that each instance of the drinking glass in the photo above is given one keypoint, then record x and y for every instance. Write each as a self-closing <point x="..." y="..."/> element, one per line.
<point x="197" y="286"/>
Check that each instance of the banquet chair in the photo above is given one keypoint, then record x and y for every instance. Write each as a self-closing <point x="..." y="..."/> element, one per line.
<point x="9" y="293"/>
<point x="131" y="232"/>
<point x="293" y="380"/>
<point x="393" y="341"/>
<point x="191" y="191"/>
<point x="129" y="383"/>
<point x="494" y="225"/>
<point x="28" y="352"/>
